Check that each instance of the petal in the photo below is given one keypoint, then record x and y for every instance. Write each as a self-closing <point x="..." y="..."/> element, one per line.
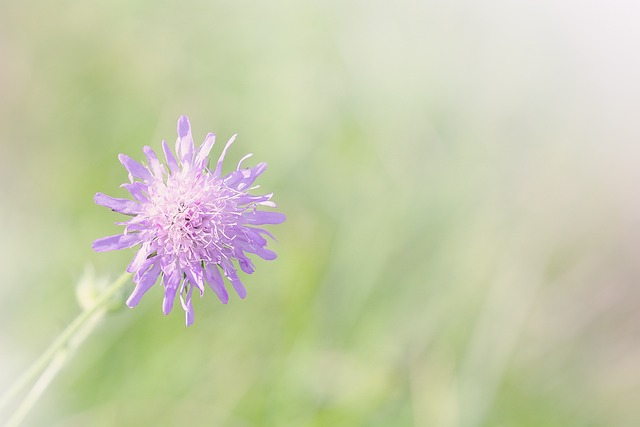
<point x="263" y="231"/>
<point x="253" y="173"/>
<point x="187" y="304"/>
<point x="189" y="315"/>
<point x="248" y="198"/>
<point x="168" y="300"/>
<point x="141" y="256"/>
<point x="218" y="170"/>
<point x="156" y="167"/>
<point x="134" y="168"/>
<point x="137" y="223"/>
<point x="195" y="275"/>
<point x="205" y="149"/>
<point x="137" y="190"/>
<point x="144" y="267"/>
<point x="145" y="283"/>
<point x="263" y="253"/>
<point x="172" y="279"/>
<point x="261" y="217"/>
<point x="184" y="143"/>
<point x="116" y="242"/>
<point x="244" y="244"/>
<point x="231" y="274"/>
<point x="245" y="263"/>
<point x="254" y="236"/>
<point x="123" y="206"/>
<point x="242" y="160"/>
<point x="216" y="283"/>
<point x="184" y="127"/>
<point x="233" y="178"/>
<point x="171" y="161"/>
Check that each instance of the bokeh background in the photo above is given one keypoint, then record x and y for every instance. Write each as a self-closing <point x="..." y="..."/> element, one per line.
<point x="461" y="184"/>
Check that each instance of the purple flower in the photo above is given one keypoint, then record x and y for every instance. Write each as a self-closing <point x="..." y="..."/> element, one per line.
<point x="191" y="223"/>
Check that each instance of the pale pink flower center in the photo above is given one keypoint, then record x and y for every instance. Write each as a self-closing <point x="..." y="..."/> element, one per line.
<point x="191" y="213"/>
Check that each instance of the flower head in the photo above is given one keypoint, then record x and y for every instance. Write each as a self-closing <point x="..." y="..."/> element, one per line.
<point x="191" y="223"/>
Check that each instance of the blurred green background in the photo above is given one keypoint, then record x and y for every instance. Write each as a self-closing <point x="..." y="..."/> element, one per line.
<point x="460" y="180"/>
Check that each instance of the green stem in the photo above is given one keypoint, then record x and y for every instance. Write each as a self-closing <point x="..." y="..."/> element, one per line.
<point x="57" y="352"/>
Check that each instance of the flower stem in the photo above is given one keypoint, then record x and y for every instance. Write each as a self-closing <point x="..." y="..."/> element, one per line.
<point x="44" y="369"/>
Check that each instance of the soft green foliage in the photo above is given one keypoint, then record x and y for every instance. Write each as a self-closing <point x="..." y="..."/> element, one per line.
<point x="461" y="186"/>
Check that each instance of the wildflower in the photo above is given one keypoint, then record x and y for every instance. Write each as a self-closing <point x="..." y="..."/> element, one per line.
<point x="191" y="223"/>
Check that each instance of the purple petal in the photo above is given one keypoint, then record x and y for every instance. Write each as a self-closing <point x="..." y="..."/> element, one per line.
<point x="144" y="267"/>
<point x="141" y="256"/>
<point x="137" y="190"/>
<point x="218" y="170"/>
<point x="231" y="274"/>
<point x="171" y="161"/>
<point x="123" y="206"/>
<point x="184" y="143"/>
<point x="168" y="300"/>
<point x="242" y="160"/>
<point x="137" y="223"/>
<point x="263" y="231"/>
<point x="261" y="217"/>
<point x="116" y="242"/>
<point x="145" y="283"/>
<point x="246" y="245"/>
<point x="172" y="279"/>
<point x="254" y="236"/>
<point x="233" y="178"/>
<point x="184" y="127"/>
<point x="134" y="168"/>
<point x="190" y="315"/>
<point x="263" y="253"/>
<point x="187" y="304"/>
<point x="215" y="281"/>
<point x="245" y="263"/>
<point x="247" y="198"/>
<point x="251" y="175"/>
<point x="205" y="149"/>
<point x="156" y="168"/>
<point x="238" y="287"/>
<point x="195" y="275"/>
